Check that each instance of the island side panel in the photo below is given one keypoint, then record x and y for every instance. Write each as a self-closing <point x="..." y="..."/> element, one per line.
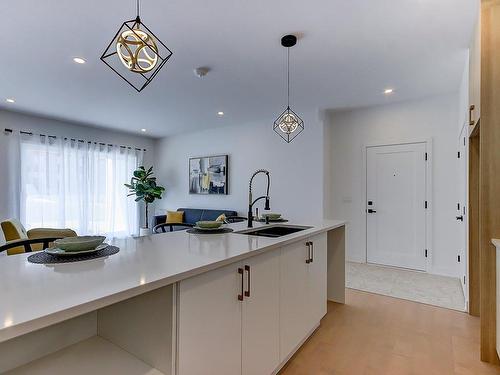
<point x="336" y="265"/>
<point x="37" y="344"/>
<point x="144" y="326"/>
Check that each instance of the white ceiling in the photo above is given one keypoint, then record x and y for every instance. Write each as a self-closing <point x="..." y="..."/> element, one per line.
<point x="348" y="52"/>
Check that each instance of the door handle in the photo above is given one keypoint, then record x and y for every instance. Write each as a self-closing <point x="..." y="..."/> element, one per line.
<point x="247" y="292"/>
<point x="308" y="260"/>
<point x="312" y="251"/>
<point x="370" y="211"/>
<point x="240" y="296"/>
<point x="471" y="110"/>
<point x="461" y="217"/>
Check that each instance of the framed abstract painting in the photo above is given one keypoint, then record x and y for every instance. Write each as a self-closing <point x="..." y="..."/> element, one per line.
<point x="208" y="175"/>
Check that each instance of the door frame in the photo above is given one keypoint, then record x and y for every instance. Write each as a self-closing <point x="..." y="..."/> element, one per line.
<point x="428" y="194"/>
<point x="463" y="136"/>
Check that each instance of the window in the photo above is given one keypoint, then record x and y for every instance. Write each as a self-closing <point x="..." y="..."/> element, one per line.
<point x="78" y="185"/>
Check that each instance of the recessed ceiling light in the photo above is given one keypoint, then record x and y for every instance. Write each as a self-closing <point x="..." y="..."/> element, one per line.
<point x="79" y="60"/>
<point x="10" y="100"/>
<point x="220" y="113"/>
<point x="143" y="130"/>
<point x="388" y="91"/>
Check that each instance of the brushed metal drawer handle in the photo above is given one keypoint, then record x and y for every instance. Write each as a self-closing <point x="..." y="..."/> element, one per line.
<point x="240" y="296"/>
<point x="247" y="292"/>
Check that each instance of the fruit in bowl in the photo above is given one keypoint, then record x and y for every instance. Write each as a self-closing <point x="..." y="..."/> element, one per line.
<point x="79" y="243"/>
<point x="209" y="224"/>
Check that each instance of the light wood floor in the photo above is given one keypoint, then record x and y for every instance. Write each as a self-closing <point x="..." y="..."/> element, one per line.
<point x="377" y="335"/>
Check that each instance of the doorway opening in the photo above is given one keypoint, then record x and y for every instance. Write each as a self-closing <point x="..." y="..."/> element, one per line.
<point x="398" y="212"/>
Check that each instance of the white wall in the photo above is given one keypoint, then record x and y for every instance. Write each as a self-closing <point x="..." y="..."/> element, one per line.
<point x="463" y="99"/>
<point x="39" y="125"/>
<point x="346" y="134"/>
<point x="296" y="168"/>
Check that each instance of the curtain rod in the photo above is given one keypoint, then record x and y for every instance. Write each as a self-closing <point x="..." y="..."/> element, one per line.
<point x="73" y="139"/>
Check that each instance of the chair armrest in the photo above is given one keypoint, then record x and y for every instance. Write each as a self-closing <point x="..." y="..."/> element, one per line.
<point x="27" y="243"/>
<point x="161" y="228"/>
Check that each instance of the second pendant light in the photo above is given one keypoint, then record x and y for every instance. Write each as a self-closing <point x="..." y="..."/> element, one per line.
<point x="288" y="125"/>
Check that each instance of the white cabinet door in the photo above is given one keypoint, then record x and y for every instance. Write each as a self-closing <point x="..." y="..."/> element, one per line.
<point x="317" y="279"/>
<point x="260" y="315"/>
<point x="294" y="301"/>
<point x="209" y="321"/>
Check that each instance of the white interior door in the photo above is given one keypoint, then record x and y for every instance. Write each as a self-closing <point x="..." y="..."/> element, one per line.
<point x="396" y="204"/>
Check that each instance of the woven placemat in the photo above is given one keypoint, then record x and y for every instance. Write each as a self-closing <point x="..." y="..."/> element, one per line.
<point x="42" y="257"/>
<point x="218" y="231"/>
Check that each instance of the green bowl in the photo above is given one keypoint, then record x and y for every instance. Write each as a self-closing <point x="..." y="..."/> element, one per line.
<point x="80" y="243"/>
<point x="271" y="215"/>
<point x="209" y="224"/>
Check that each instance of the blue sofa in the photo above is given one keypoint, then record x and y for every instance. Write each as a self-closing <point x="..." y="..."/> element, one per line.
<point x="191" y="216"/>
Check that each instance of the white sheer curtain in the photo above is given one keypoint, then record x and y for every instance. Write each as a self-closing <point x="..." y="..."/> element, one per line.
<point x="9" y="177"/>
<point x="79" y="185"/>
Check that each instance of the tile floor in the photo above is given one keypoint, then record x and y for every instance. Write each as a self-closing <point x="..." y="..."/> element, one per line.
<point x="415" y="286"/>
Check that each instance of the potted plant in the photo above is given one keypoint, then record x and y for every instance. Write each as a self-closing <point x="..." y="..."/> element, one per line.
<point x="143" y="186"/>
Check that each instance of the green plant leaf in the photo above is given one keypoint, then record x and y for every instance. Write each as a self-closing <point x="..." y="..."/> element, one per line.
<point x="144" y="186"/>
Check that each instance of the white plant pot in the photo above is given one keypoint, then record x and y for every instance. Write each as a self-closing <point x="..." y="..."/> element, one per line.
<point x="144" y="232"/>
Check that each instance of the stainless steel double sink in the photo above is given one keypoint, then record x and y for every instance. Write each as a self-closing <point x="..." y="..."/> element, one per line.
<point x="273" y="231"/>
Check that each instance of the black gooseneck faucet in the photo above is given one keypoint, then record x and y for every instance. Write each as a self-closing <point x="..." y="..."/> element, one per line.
<point x="266" y="197"/>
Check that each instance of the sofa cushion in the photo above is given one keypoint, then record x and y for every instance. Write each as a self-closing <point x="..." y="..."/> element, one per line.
<point x="175" y="217"/>
<point x="191" y="215"/>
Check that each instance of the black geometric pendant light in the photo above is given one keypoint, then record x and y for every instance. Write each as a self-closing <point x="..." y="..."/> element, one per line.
<point x="288" y="125"/>
<point x="135" y="53"/>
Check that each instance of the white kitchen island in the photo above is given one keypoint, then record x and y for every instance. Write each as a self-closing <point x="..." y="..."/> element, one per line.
<point x="174" y="303"/>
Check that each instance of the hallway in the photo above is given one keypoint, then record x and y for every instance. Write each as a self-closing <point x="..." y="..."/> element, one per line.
<point x="441" y="291"/>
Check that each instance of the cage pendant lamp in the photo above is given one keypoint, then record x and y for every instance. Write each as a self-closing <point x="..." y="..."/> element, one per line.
<point x="288" y="125"/>
<point x="135" y="53"/>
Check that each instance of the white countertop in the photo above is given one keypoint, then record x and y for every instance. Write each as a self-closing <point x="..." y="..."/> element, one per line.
<point x="34" y="296"/>
<point x="496" y="243"/>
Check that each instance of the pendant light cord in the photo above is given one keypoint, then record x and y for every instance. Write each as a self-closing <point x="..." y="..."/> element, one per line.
<point x="138" y="8"/>
<point x="288" y="77"/>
